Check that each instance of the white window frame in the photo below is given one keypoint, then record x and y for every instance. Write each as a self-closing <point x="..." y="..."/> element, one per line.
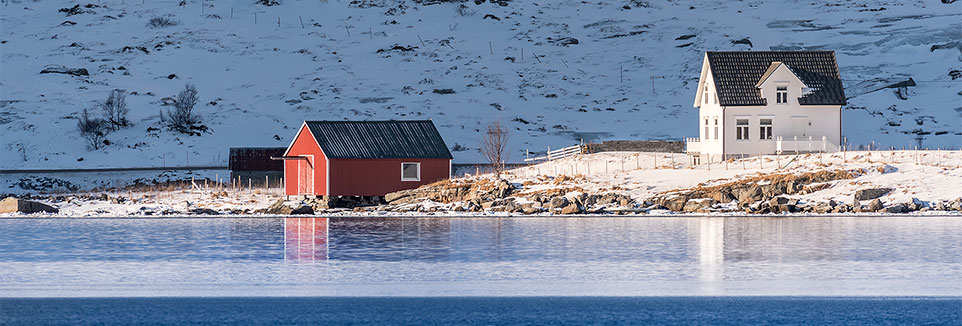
<point x="707" y="135"/>
<point x="765" y="130"/>
<point x="716" y="128"/>
<point x="781" y="95"/>
<point x="705" y="94"/>
<point x="418" y="165"/>
<point x="741" y="131"/>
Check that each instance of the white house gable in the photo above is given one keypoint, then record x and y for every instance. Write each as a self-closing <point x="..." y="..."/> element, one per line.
<point x="706" y="86"/>
<point x="780" y="86"/>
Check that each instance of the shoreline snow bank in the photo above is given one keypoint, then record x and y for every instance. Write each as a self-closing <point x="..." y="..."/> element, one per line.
<point x="930" y="177"/>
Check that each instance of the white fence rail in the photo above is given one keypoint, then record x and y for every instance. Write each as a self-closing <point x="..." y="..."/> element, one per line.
<point x="557" y="154"/>
<point x="805" y="145"/>
<point x="692" y="145"/>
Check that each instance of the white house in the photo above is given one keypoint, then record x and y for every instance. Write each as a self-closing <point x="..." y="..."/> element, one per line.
<point x="767" y="102"/>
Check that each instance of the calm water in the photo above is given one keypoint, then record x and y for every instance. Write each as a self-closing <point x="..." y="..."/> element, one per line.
<point x="481" y="257"/>
<point x="694" y="266"/>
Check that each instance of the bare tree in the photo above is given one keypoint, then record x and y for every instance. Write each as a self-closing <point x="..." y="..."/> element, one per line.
<point x="93" y="130"/>
<point x="22" y="149"/>
<point x="463" y="10"/>
<point x="183" y="117"/>
<point x="493" y="146"/>
<point x="115" y="110"/>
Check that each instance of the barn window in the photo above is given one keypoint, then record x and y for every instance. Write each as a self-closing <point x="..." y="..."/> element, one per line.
<point x="410" y="171"/>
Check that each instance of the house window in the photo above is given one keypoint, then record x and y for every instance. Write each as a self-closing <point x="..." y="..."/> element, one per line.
<point x="781" y="94"/>
<point x="716" y="128"/>
<point x="741" y="129"/>
<point x="705" y="94"/>
<point x="706" y="129"/>
<point x="766" y="129"/>
<point x="410" y="171"/>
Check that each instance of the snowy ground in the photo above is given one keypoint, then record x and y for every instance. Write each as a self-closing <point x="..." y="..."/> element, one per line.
<point x="930" y="176"/>
<point x="630" y="76"/>
<point x="919" y="174"/>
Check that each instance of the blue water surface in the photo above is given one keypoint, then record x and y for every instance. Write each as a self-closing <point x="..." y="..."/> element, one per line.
<point x="485" y="311"/>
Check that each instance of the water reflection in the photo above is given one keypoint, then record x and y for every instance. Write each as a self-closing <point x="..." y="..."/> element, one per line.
<point x="712" y="243"/>
<point x="305" y="239"/>
<point x="490" y="256"/>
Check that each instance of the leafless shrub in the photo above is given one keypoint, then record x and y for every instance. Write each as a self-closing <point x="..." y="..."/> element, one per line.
<point x="464" y="10"/>
<point x="115" y="110"/>
<point x="93" y="130"/>
<point x="159" y="22"/>
<point x="268" y="2"/>
<point x="493" y="146"/>
<point x="22" y="149"/>
<point x="183" y="117"/>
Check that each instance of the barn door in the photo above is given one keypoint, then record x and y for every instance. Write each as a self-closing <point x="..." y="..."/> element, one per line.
<point x="305" y="176"/>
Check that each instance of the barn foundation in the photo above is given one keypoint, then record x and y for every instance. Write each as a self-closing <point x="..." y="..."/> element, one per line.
<point x="325" y="202"/>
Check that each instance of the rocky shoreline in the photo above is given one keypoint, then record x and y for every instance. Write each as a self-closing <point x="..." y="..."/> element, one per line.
<point x="760" y="195"/>
<point x="823" y="190"/>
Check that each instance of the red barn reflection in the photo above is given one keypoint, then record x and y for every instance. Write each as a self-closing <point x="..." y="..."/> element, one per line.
<point x="305" y="239"/>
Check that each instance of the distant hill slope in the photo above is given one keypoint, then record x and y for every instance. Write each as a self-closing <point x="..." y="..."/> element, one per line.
<point x="555" y="72"/>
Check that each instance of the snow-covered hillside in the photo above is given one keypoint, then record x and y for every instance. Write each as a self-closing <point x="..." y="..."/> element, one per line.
<point x="608" y="69"/>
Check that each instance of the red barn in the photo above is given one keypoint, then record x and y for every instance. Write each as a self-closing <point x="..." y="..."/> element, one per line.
<point x="364" y="158"/>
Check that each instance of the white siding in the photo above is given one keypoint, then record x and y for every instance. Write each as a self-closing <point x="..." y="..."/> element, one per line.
<point x="817" y="121"/>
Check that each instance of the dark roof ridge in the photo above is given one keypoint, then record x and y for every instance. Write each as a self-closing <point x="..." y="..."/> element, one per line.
<point x="737" y="73"/>
<point x="378" y="139"/>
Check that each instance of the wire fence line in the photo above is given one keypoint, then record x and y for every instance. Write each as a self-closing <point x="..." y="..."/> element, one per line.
<point x="582" y="165"/>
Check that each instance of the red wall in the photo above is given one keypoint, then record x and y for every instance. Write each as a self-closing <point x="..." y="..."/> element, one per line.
<point x="377" y="177"/>
<point x="305" y="145"/>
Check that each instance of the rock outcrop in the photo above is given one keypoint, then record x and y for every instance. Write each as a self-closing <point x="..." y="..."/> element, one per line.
<point x="750" y="191"/>
<point x="14" y="205"/>
<point x="871" y="193"/>
<point x="283" y="207"/>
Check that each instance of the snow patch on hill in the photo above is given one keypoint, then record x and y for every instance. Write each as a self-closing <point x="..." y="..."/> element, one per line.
<point x="629" y="75"/>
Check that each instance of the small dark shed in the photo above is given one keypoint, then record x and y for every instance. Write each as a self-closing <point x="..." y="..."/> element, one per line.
<point x="255" y="163"/>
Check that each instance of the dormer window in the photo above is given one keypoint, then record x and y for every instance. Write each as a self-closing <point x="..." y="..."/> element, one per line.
<point x="781" y="94"/>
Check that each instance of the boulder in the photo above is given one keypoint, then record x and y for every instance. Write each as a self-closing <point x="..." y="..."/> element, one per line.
<point x="722" y="196"/>
<point x="65" y="71"/>
<point x="915" y="205"/>
<point x="778" y="201"/>
<point x="676" y="203"/>
<point x="572" y="208"/>
<point x="872" y="193"/>
<point x="13" y="205"/>
<point x="504" y="188"/>
<point x="204" y="211"/>
<point x="699" y="205"/>
<point x="558" y="202"/>
<point x="956" y="205"/>
<point x="896" y="209"/>
<point x="528" y="210"/>
<point x="874" y="206"/>
<point x="282" y="207"/>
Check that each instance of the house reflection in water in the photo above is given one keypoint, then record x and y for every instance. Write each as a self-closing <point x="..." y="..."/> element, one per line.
<point x="305" y="239"/>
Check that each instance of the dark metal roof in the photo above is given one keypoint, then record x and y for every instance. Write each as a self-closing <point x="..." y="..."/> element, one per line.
<point x="255" y="159"/>
<point x="379" y="139"/>
<point x="736" y="73"/>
